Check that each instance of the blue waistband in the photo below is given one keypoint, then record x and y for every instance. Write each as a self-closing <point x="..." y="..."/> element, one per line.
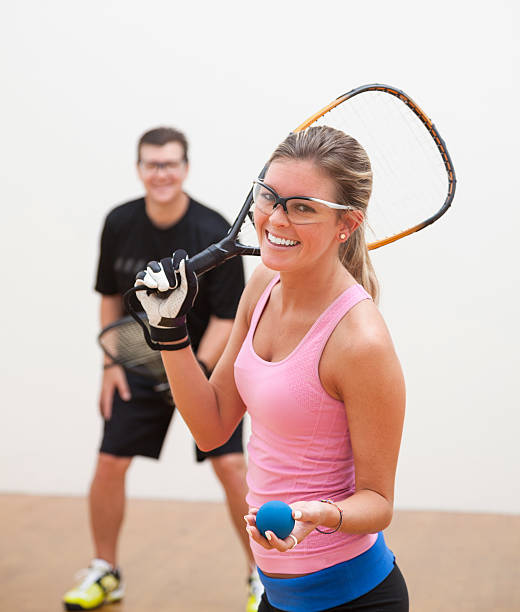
<point x="334" y="585"/>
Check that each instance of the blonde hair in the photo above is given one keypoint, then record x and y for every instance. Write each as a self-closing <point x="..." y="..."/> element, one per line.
<point x="343" y="159"/>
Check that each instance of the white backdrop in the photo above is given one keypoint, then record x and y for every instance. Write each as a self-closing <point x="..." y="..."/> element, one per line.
<point x="81" y="82"/>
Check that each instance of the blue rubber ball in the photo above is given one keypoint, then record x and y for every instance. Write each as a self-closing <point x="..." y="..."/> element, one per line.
<point x="275" y="516"/>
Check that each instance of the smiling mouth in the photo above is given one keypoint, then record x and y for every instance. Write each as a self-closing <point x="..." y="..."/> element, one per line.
<point x="278" y="241"/>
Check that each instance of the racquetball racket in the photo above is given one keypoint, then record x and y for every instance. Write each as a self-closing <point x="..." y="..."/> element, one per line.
<point x="122" y="341"/>
<point x="413" y="176"/>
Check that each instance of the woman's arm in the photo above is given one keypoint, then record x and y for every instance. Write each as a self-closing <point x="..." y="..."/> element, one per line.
<point x="213" y="341"/>
<point x="212" y="409"/>
<point x="366" y="375"/>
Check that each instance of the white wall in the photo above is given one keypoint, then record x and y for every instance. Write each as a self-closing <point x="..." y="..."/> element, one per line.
<point x="80" y="83"/>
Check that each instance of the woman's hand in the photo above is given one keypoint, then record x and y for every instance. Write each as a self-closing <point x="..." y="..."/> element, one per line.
<point x="307" y="516"/>
<point x="167" y="314"/>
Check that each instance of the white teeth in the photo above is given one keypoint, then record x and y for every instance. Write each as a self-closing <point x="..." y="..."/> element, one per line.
<point x="282" y="241"/>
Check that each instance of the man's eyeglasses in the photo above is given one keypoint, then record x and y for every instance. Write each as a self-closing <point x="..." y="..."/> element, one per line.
<point x="170" y="167"/>
<point x="299" y="209"/>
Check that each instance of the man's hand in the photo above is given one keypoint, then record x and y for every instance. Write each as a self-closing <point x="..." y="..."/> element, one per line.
<point x="114" y="378"/>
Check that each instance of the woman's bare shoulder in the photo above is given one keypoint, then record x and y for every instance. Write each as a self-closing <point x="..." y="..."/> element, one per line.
<point x="360" y="351"/>
<point x="363" y="333"/>
<point x="364" y="324"/>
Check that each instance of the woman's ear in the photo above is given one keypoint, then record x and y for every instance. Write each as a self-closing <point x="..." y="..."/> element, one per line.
<point x="349" y="224"/>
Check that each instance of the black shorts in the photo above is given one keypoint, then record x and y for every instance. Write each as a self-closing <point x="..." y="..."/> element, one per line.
<point x="139" y="426"/>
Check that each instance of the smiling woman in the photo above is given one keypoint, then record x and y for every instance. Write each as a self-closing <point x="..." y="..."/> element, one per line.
<point x="325" y="391"/>
<point x="342" y="159"/>
<point x="294" y="227"/>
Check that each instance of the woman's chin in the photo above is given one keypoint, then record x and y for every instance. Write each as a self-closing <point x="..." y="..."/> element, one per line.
<point x="276" y="261"/>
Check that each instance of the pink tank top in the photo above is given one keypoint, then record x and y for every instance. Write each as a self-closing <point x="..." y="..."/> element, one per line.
<point x="300" y="443"/>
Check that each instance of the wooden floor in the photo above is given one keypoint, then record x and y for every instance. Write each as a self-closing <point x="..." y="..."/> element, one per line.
<point x="184" y="557"/>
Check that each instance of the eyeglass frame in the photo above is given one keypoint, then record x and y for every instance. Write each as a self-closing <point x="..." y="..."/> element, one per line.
<point x="283" y="201"/>
<point x="157" y="166"/>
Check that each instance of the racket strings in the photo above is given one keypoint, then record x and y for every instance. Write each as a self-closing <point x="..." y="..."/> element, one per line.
<point x="413" y="178"/>
<point x="363" y="120"/>
<point x="401" y="159"/>
<point x="410" y="180"/>
<point x="248" y="235"/>
<point x="124" y="343"/>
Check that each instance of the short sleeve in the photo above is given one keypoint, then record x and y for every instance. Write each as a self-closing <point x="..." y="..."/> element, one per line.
<point x="226" y="283"/>
<point x="106" y="280"/>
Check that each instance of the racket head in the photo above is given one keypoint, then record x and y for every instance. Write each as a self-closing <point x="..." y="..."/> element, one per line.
<point x="123" y="342"/>
<point x="413" y="176"/>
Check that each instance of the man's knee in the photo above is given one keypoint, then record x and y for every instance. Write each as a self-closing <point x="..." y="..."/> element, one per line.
<point x="230" y="469"/>
<point x="111" y="467"/>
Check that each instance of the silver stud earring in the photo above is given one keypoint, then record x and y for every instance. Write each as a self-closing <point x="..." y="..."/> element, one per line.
<point x="342" y="236"/>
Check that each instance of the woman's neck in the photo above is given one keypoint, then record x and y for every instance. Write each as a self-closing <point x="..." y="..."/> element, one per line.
<point x="308" y="289"/>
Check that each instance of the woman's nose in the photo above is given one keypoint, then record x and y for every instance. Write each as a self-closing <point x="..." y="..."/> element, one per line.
<point x="279" y="216"/>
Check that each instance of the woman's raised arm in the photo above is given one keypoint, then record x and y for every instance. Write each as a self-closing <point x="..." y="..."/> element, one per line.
<point x="211" y="409"/>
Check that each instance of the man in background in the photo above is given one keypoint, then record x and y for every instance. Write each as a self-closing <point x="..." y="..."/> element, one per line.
<point x="136" y="414"/>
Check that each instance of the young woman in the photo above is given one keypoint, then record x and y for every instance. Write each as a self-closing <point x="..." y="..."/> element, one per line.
<point x="311" y="360"/>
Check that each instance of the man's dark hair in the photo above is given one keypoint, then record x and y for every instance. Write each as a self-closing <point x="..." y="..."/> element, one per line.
<point x="161" y="136"/>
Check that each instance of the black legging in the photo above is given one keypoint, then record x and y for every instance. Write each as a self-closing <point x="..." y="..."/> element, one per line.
<point x="391" y="595"/>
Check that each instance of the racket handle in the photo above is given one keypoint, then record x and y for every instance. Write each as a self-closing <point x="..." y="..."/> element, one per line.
<point x="209" y="258"/>
<point x="229" y="246"/>
<point x="200" y="263"/>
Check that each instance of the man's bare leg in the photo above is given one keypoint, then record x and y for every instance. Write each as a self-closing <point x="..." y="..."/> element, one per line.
<point x="107" y="505"/>
<point x="231" y="471"/>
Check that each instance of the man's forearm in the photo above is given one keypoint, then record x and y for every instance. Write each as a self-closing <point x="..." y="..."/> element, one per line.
<point x="213" y="341"/>
<point x="111" y="309"/>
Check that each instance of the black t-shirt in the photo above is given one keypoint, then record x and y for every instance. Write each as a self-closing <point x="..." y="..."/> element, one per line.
<point x="130" y="240"/>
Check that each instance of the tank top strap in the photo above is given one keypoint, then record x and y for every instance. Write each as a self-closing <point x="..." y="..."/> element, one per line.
<point x="329" y="319"/>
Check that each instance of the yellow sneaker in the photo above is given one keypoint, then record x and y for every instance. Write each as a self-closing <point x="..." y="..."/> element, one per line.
<point x="100" y="583"/>
<point x="255" y="590"/>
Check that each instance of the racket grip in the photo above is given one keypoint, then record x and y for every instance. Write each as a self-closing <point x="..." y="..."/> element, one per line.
<point x="200" y="263"/>
<point x="210" y="258"/>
